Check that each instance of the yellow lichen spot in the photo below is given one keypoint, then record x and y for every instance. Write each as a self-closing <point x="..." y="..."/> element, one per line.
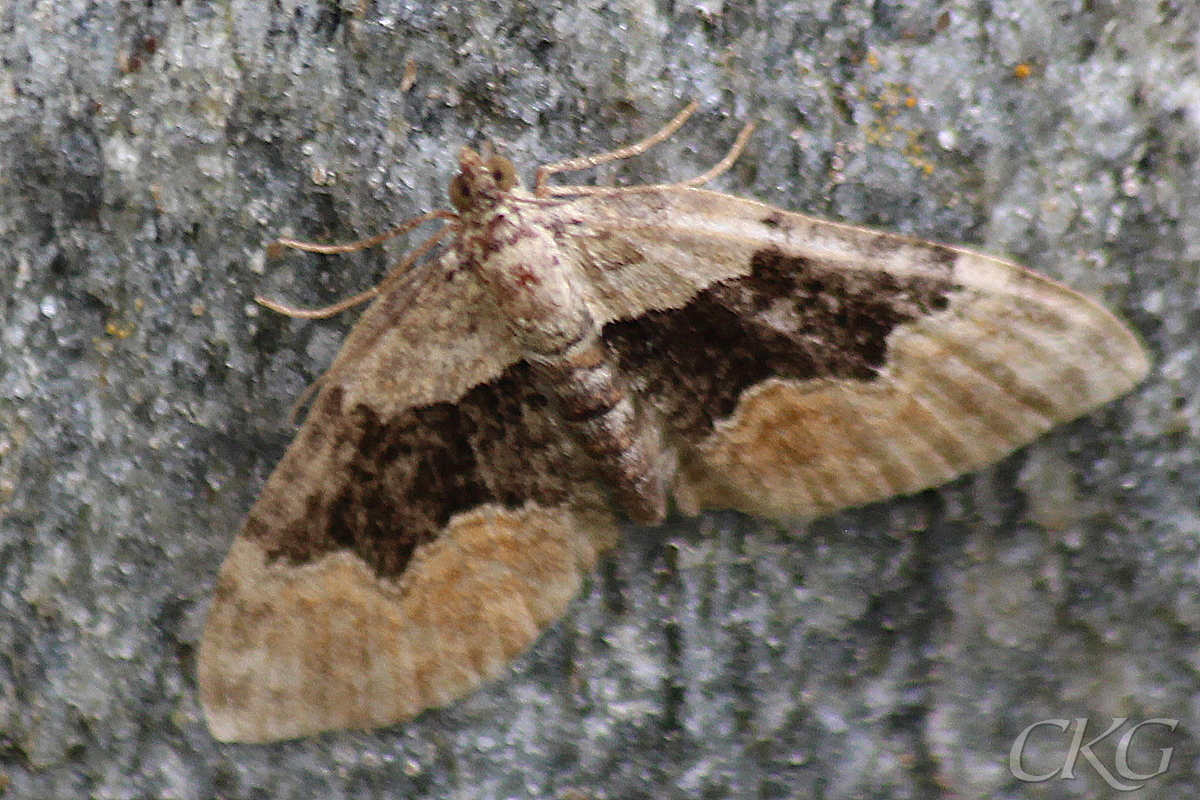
<point x="879" y="134"/>
<point x="1022" y="71"/>
<point x="872" y="60"/>
<point x="138" y="304"/>
<point x="910" y="102"/>
<point x="118" y="330"/>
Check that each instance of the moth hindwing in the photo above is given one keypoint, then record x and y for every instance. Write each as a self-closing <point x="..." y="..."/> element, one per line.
<point x="565" y="357"/>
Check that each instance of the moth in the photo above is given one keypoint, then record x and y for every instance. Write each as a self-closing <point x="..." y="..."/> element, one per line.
<point x="573" y="355"/>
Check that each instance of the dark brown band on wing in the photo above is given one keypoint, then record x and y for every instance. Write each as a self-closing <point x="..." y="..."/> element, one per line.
<point x="397" y="482"/>
<point x="790" y="317"/>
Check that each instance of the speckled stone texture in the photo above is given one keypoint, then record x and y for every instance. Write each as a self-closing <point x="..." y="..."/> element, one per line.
<point x="148" y="152"/>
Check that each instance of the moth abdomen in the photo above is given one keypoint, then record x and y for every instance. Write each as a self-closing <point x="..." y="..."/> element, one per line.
<point x="597" y="407"/>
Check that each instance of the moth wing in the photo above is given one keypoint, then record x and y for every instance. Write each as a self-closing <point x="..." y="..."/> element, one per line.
<point x="1001" y="367"/>
<point x="424" y="342"/>
<point x="290" y="650"/>
<point x="958" y="358"/>
<point x="421" y="530"/>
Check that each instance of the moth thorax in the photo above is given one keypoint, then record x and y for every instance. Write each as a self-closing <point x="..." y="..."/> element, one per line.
<point x="538" y="289"/>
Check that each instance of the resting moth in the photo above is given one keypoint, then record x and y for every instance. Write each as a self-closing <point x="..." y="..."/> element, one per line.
<point x="575" y="352"/>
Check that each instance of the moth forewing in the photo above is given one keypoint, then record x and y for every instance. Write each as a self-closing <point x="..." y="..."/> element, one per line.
<point x="961" y="388"/>
<point x="458" y="470"/>
<point x="951" y="358"/>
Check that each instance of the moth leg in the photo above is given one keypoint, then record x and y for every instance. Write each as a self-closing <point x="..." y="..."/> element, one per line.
<point x="324" y="312"/>
<point x="350" y="302"/>
<point x="637" y="148"/>
<point x="276" y="247"/>
<point x="413" y="279"/>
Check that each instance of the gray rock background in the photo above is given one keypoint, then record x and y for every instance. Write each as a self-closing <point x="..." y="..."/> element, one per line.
<point x="149" y="151"/>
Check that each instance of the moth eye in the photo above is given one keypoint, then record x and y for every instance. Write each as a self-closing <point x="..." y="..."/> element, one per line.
<point x="460" y="195"/>
<point x="503" y="172"/>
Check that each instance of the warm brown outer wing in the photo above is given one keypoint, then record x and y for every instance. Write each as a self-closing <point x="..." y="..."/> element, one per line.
<point x="295" y="649"/>
<point x="821" y="366"/>
<point x="428" y="521"/>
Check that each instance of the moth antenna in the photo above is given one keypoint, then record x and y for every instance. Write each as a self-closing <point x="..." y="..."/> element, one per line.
<point x="735" y="150"/>
<point x="637" y="148"/>
<point x="536" y="201"/>
<point x="350" y="302"/>
<point x="739" y="144"/>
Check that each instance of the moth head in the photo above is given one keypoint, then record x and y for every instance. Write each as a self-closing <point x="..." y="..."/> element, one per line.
<point x="482" y="179"/>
